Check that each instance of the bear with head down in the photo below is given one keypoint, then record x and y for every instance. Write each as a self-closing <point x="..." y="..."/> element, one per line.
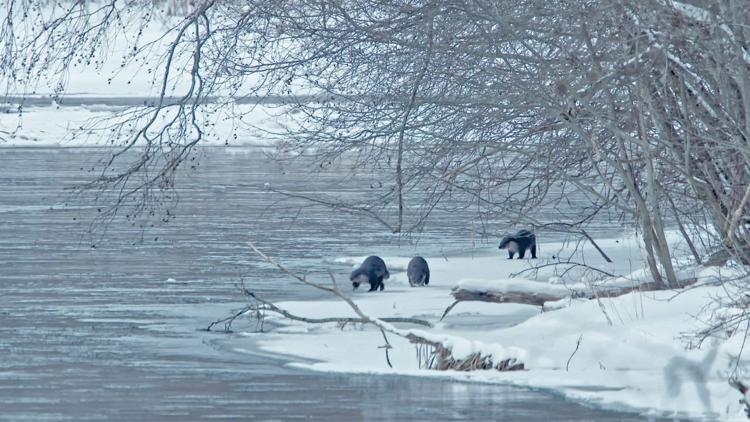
<point x="418" y="272"/>
<point x="373" y="271"/>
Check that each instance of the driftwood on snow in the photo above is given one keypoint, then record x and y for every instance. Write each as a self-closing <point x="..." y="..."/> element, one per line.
<point x="539" y="298"/>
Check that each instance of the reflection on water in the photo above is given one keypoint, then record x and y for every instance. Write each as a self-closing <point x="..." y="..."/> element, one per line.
<point x="111" y="332"/>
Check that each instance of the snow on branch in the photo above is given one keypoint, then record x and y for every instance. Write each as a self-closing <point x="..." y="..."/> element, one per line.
<point x="529" y="292"/>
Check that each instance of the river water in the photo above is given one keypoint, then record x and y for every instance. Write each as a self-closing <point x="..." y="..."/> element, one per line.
<point x="114" y="332"/>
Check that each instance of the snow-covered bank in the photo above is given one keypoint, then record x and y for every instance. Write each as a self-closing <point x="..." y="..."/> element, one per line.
<point x="626" y="353"/>
<point x="89" y="126"/>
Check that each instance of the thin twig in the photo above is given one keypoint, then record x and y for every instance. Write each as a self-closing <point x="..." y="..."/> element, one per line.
<point x="569" y="263"/>
<point x="230" y="319"/>
<point x="387" y="346"/>
<point x="578" y="343"/>
<point x="448" y="309"/>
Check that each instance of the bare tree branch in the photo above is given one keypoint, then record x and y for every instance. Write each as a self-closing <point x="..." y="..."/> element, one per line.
<point x="444" y="359"/>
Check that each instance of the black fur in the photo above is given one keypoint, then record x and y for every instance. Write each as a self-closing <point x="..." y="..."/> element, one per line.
<point x="418" y="272"/>
<point x="372" y="270"/>
<point x="523" y="239"/>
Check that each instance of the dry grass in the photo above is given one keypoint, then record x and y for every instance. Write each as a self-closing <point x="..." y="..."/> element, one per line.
<point x="440" y="358"/>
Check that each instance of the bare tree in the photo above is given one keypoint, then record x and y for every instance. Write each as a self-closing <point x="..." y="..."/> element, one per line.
<point x="435" y="96"/>
<point x="504" y="107"/>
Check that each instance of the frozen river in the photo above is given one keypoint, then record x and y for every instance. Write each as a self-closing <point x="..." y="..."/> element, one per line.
<point x="113" y="332"/>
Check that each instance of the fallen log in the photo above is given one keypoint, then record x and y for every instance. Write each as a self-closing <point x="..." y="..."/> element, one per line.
<point x="528" y="292"/>
<point x="525" y="298"/>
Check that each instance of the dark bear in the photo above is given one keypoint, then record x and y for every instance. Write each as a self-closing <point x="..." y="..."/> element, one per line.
<point x="418" y="272"/>
<point x="373" y="271"/>
<point x="519" y="242"/>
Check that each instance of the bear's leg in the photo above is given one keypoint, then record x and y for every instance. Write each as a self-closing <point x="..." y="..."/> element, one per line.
<point x="510" y="255"/>
<point x="521" y="252"/>
<point x="380" y="283"/>
<point x="373" y="286"/>
<point x="533" y="251"/>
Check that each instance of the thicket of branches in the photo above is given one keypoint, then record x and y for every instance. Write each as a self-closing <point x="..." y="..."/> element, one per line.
<point x="642" y="108"/>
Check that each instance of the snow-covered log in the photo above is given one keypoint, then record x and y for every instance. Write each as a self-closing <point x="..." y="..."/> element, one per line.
<point x="529" y="292"/>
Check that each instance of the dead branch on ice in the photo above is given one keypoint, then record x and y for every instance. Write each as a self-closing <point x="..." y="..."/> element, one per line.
<point x="268" y="306"/>
<point x="441" y="353"/>
<point x="264" y="306"/>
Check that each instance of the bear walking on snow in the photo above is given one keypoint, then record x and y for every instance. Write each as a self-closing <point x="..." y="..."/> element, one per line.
<point x="519" y="242"/>
<point x="418" y="272"/>
<point x="373" y="271"/>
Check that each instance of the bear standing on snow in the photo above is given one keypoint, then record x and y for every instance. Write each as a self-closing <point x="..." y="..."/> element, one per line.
<point x="519" y="242"/>
<point x="418" y="272"/>
<point x="373" y="271"/>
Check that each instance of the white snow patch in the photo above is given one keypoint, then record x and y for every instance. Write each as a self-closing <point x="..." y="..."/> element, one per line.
<point x="638" y="362"/>
<point x="88" y="126"/>
<point x="511" y="285"/>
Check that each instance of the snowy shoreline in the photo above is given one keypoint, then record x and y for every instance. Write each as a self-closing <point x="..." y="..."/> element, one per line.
<point x="86" y="126"/>
<point x="637" y="364"/>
